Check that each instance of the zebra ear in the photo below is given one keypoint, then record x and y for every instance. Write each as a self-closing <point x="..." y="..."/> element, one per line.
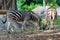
<point x="4" y="19"/>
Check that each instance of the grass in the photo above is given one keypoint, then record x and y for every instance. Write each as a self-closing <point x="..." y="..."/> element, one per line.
<point x="57" y="21"/>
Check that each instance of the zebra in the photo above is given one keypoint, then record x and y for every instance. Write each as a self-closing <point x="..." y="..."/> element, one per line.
<point x="16" y="16"/>
<point x="50" y="17"/>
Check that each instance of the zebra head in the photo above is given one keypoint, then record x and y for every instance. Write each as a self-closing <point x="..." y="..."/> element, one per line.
<point x="52" y="13"/>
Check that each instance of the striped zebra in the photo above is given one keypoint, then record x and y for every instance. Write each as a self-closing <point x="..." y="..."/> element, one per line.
<point x="51" y="15"/>
<point x="16" y="16"/>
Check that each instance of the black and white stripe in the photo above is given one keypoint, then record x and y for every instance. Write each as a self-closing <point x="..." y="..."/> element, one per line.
<point x="15" y="13"/>
<point x="21" y="16"/>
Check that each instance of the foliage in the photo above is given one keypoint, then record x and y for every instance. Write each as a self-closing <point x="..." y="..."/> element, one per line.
<point x="57" y="21"/>
<point x="52" y="3"/>
<point x="58" y="2"/>
<point x="26" y="5"/>
<point x="31" y="4"/>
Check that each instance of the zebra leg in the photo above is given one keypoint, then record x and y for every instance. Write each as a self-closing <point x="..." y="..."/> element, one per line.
<point x="24" y="22"/>
<point x="51" y="26"/>
<point x="8" y="24"/>
<point x="45" y="24"/>
<point x="37" y="25"/>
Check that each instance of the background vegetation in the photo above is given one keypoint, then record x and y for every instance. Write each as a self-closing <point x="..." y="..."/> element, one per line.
<point x="31" y="4"/>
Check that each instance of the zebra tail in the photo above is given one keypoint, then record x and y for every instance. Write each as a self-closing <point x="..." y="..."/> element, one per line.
<point x="4" y="19"/>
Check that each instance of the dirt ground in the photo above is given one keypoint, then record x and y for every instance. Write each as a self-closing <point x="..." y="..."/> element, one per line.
<point x="39" y="35"/>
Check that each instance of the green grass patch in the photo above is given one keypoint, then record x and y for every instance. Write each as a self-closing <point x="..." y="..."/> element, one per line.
<point x="57" y="21"/>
